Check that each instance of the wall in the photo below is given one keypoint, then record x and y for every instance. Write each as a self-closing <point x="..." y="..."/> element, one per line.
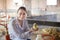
<point x="30" y="4"/>
<point x="2" y="4"/>
<point x="41" y="4"/>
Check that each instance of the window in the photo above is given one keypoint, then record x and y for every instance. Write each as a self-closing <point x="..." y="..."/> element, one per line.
<point x="51" y="2"/>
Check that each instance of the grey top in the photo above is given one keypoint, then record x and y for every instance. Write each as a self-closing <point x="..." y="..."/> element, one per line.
<point x="17" y="32"/>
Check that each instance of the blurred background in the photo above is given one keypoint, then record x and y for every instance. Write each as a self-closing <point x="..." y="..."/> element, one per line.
<point x="46" y="13"/>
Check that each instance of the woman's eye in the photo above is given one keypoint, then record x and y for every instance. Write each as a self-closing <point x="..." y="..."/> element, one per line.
<point x="23" y="13"/>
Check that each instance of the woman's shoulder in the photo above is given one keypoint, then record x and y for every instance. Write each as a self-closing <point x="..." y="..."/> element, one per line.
<point x="12" y="20"/>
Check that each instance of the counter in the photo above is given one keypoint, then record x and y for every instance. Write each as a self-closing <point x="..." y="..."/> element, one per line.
<point x="49" y="20"/>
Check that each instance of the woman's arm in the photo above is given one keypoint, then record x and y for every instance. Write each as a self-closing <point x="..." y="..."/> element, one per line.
<point x="11" y="31"/>
<point x="19" y="34"/>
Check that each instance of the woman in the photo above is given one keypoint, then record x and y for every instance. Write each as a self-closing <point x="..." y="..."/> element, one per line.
<point x="18" y="27"/>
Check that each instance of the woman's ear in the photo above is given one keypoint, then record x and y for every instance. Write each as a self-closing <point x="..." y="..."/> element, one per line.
<point x="26" y="15"/>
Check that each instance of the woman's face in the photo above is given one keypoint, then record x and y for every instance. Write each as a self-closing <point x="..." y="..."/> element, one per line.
<point x="21" y="14"/>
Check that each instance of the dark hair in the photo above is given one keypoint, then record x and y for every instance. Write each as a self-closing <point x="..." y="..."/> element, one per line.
<point x="23" y="8"/>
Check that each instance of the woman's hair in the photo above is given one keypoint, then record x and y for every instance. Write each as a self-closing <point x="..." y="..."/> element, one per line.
<point x="23" y="8"/>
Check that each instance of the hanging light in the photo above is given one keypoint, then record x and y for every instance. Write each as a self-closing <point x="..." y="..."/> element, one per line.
<point x="19" y="2"/>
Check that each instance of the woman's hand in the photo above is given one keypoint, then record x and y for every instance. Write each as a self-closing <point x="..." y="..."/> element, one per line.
<point x="33" y="30"/>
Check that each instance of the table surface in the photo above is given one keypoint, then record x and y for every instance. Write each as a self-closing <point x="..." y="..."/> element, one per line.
<point x="51" y="18"/>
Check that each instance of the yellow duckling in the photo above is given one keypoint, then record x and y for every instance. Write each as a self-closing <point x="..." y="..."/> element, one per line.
<point x="35" y="26"/>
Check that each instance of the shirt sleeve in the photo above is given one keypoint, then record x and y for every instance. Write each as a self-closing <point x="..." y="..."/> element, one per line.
<point x="11" y="31"/>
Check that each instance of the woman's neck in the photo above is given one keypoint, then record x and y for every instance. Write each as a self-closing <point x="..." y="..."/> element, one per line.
<point x="20" y="22"/>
